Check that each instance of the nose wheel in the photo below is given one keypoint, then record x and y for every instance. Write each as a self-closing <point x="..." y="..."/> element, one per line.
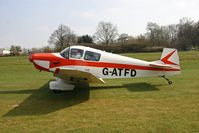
<point x="169" y="81"/>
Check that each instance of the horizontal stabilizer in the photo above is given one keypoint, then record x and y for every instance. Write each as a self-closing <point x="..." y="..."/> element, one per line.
<point x="156" y="65"/>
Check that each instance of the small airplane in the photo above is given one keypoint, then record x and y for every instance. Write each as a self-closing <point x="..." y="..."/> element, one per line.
<point x="80" y="64"/>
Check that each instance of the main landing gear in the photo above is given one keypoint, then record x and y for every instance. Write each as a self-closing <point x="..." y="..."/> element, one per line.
<point x="169" y="81"/>
<point x="60" y="85"/>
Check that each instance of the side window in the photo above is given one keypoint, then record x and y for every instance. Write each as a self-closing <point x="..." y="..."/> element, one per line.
<point x="65" y="53"/>
<point x="76" y="53"/>
<point x="92" y="56"/>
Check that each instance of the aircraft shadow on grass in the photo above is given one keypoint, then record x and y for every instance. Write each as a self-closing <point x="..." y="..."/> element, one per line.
<point x="43" y="101"/>
<point x="132" y="87"/>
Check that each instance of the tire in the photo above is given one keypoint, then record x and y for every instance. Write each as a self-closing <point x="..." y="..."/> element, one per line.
<point x="170" y="82"/>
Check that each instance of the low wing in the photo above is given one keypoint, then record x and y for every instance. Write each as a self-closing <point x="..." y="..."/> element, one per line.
<point x="77" y="75"/>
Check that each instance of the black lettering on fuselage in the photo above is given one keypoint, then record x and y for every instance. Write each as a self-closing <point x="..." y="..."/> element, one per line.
<point x="126" y="71"/>
<point x="105" y="71"/>
<point x="114" y="72"/>
<point x="133" y="73"/>
<point x="119" y="72"/>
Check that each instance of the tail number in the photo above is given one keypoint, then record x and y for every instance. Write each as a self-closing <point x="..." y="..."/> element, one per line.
<point x="119" y="72"/>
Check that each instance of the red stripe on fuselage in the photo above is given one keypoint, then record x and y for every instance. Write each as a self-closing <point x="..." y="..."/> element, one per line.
<point x="73" y="62"/>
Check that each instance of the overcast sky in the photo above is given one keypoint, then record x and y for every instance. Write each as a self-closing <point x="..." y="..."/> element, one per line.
<point x="29" y="23"/>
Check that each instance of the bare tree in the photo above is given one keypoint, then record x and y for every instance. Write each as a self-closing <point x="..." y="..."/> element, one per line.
<point x="62" y="37"/>
<point x="185" y="34"/>
<point x="106" y="33"/>
<point x="172" y="32"/>
<point x="153" y="32"/>
<point x="196" y="35"/>
<point x="161" y="35"/>
<point x="123" y="38"/>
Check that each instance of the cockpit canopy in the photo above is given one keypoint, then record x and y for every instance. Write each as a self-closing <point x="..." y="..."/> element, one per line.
<point x="80" y="53"/>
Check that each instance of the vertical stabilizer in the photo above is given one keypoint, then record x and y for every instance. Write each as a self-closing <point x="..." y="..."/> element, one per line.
<point x="170" y="56"/>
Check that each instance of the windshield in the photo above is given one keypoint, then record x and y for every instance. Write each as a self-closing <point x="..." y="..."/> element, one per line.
<point x="65" y="53"/>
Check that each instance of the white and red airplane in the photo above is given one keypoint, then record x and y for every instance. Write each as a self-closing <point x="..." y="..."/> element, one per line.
<point x="80" y="64"/>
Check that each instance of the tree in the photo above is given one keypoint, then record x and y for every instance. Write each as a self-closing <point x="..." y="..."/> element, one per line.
<point x="106" y="33"/>
<point x="25" y="51"/>
<point x="62" y="37"/>
<point x="12" y="49"/>
<point x="153" y="31"/>
<point x="15" y="49"/>
<point x="185" y="34"/>
<point x="46" y="49"/>
<point x="85" y="39"/>
<point x="35" y="50"/>
<point x="123" y="38"/>
<point x="172" y="31"/>
<point x="141" y="38"/>
<point x="196" y="35"/>
<point x="162" y="35"/>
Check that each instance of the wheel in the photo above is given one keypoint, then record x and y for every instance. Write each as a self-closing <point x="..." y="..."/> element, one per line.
<point x="170" y="82"/>
<point x="57" y="91"/>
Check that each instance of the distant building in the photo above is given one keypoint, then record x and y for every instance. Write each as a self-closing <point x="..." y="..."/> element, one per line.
<point x="4" y="52"/>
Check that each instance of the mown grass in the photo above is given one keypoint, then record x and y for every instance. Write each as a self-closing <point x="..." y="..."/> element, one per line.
<point x="125" y="105"/>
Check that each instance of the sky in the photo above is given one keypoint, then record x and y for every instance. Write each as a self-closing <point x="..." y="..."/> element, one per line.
<point x="29" y="23"/>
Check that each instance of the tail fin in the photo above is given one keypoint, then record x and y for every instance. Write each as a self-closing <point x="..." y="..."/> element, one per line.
<point x="170" y="56"/>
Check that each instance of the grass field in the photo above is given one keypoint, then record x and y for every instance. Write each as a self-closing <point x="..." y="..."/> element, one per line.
<point x="125" y="105"/>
